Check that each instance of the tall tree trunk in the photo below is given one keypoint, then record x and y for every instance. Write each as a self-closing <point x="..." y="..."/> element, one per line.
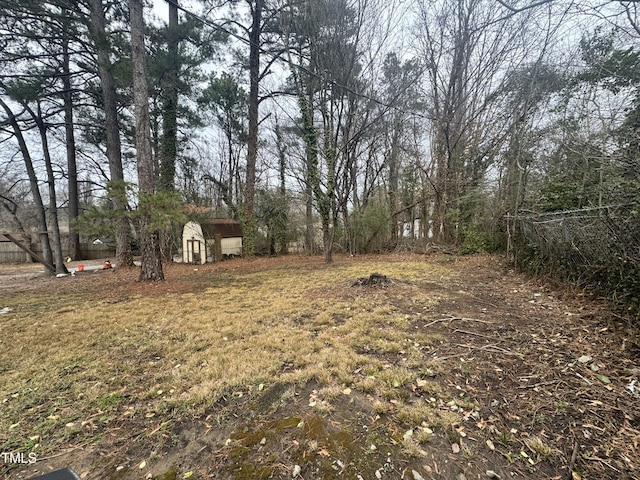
<point x="309" y="136"/>
<point x="53" y="205"/>
<point x="252" y="134"/>
<point x="394" y="168"/>
<point x="313" y="183"/>
<point x="311" y="149"/>
<point x="70" y="140"/>
<point x="440" y="187"/>
<point x="513" y="185"/>
<point x="169" y="139"/>
<point x="112" y="133"/>
<point x="309" y="229"/>
<point x="281" y="230"/>
<point x="149" y="238"/>
<point x="327" y="238"/>
<point x="41" y="216"/>
<point x="326" y="199"/>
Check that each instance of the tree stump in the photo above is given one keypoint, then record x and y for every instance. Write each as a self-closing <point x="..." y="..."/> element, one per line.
<point x="372" y="280"/>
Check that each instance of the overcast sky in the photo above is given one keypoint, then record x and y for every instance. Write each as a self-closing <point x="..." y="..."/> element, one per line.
<point x="161" y="8"/>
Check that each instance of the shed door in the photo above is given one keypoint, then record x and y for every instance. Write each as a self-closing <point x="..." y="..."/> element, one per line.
<point x="194" y="246"/>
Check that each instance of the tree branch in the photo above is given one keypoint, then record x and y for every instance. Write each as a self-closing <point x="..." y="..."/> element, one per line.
<point x="526" y="7"/>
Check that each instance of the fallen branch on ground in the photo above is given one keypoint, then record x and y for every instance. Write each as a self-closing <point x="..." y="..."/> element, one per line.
<point x="466" y="319"/>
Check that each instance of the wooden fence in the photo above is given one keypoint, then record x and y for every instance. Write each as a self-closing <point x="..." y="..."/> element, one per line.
<point x="11" y="253"/>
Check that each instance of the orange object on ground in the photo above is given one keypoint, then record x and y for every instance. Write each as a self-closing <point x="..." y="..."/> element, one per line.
<point x="106" y="264"/>
<point x="81" y="267"/>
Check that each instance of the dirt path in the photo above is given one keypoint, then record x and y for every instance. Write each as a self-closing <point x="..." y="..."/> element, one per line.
<point x="495" y="375"/>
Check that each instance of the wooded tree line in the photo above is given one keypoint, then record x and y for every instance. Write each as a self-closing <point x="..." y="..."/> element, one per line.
<point x="349" y="125"/>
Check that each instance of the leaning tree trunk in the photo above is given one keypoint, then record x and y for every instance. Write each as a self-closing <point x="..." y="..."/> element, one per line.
<point x="151" y="268"/>
<point x="35" y="190"/>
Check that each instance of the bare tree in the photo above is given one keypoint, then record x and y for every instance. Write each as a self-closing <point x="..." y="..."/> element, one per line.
<point x="35" y="190"/>
<point x="325" y="36"/>
<point x="467" y="47"/>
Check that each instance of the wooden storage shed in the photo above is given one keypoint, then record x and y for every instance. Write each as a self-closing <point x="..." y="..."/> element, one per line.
<point x="199" y="240"/>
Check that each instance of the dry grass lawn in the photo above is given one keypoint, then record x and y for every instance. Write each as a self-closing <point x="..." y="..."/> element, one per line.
<point x="121" y="379"/>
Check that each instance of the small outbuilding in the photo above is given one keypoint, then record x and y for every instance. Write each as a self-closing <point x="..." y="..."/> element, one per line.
<point x="211" y="240"/>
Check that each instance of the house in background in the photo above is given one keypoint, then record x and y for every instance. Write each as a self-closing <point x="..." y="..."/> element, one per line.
<point x="199" y="240"/>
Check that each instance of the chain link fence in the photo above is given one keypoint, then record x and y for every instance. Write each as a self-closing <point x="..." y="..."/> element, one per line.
<point x="597" y="247"/>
